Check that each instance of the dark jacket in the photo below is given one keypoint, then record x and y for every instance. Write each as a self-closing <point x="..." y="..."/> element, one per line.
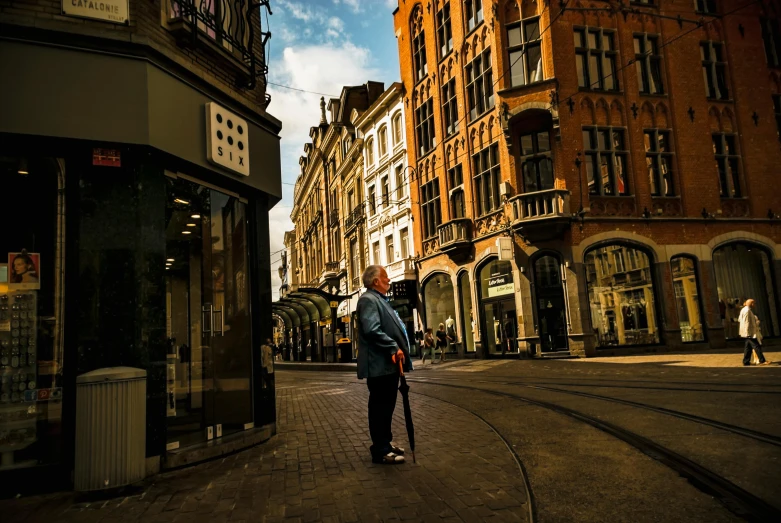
<point x="380" y="335"/>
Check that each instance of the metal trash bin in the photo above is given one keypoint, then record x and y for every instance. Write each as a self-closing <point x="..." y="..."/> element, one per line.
<point x="110" y="428"/>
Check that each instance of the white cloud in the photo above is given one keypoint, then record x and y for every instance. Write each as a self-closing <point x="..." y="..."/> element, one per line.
<point x="355" y="5"/>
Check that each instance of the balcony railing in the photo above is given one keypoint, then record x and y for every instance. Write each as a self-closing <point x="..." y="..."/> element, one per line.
<point x="332" y="267"/>
<point x="229" y="24"/>
<point x="356" y="283"/>
<point x="355" y="216"/>
<point x="400" y="267"/>
<point x="552" y="203"/>
<point x="455" y="233"/>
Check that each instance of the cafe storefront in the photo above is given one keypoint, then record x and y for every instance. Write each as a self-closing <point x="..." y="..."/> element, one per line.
<point x="136" y="234"/>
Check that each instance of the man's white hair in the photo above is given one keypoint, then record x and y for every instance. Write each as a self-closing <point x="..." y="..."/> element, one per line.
<point x="371" y="273"/>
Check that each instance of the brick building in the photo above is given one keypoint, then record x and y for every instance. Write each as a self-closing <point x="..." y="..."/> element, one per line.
<point x="139" y="163"/>
<point x="593" y="176"/>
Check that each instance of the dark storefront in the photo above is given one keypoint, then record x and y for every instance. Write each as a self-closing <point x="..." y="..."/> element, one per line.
<point x="125" y="244"/>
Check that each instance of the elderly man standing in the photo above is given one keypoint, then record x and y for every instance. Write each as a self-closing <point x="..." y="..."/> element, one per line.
<point x="382" y="344"/>
<point x="749" y="329"/>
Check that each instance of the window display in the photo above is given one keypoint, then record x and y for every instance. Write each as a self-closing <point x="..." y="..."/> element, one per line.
<point x="621" y="296"/>
<point x="687" y="299"/>
<point x="439" y="298"/>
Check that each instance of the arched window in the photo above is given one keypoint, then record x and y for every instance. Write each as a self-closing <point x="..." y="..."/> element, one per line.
<point x="382" y="139"/>
<point x="621" y="296"/>
<point x="743" y="271"/>
<point x="370" y="151"/>
<point x="439" y="300"/>
<point x="687" y="298"/>
<point x="468" y="317"/>
<point x="397" y="138"/>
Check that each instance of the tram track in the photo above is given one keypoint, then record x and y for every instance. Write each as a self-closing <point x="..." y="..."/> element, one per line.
<point x="734" y="498"/>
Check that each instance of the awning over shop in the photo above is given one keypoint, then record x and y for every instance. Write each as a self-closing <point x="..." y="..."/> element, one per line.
<point x="304" y="305"/>
<point x="282" y="315"/>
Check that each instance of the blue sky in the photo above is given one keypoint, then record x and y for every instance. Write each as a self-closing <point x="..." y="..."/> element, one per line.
<point x="320" y="45"/>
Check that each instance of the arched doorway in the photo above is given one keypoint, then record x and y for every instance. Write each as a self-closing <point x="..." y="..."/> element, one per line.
<point x="499" y="325"/>
<point x="687" y="298"/>
<point x="550" y="304"/>
<point x="439" y="300"/>
<point x="744" y="270"/>
<point x="622" y="297"/>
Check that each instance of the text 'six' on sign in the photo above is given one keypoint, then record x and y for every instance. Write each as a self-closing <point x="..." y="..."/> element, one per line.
<point x="106" y="157"/>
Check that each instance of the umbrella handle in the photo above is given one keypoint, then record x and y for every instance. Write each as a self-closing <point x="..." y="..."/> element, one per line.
<point x="401" y="367"/>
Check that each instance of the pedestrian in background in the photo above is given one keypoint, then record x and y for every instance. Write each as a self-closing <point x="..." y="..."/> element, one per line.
<point x="441" y="342"/>
<point x="749" y="330"/>
<point x="428" y="345"/>
<point x="382" y="346"/>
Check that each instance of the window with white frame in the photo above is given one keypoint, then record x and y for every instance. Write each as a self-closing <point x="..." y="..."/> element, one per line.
<point x="397" y="137"/>
<point x="372" y="200"/>
<point x="385" y="192"/>
<point x="401" y="183"/>
<point x="480" y="84"/>
<point x="473" y="13"/>
<point x="376" y="253"/>
<point x="430" y="208"/>
<point x="370" y="151"/>
<point x="714" y="70"/>
<point x="404" y="243"/>
<point x="424" y="127"/>
<point x="444" y="32"/>
<point x="524" y="48"/>
<point x="450" y="106"/>
<point x="389" y="249"/>
<point x="382" y="141"/>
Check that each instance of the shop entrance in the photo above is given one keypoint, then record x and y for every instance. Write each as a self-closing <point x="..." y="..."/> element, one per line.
<point x="498" y="314"/>
<point x="208" y="318"/>
<point x="550" y="305"/>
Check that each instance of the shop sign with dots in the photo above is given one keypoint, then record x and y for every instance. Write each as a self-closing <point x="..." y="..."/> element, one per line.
<point x="227" y="143"/>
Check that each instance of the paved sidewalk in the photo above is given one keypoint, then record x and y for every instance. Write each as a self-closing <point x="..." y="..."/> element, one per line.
<point x="318" y="469"/>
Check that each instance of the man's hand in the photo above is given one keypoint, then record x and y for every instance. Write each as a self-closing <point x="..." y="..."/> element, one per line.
<point x="398" y="357"/>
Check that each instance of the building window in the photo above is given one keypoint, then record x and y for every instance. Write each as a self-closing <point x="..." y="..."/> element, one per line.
<point x="536" y="162"/>
<point x="370" y="151"/>
<point x="455" y="177"/>
<point x="376" y="253"/>
<point x="337" y="244"/>
<point x="525" y="51"/>
<point x="621" y="296"/>
<point x="606" y="161"/>
<point x="419" y="55"/>
<point x="450" y="107"/>
<point x="595" y="58"/>
<point x="430" y="209"/>
<point x="687" y="299"/>
<point x="777" y="111"/>
<point x="480" y="84"/>
<point x="706" y="7"/>
<point x="397" y="137"/>
<point x="424" y="127"/>
<point x="355" y="266"/>
<point x="658" y="158"/>
<point x="444" y="34"/>
<point x="389" y="252"/>
<point x="372" y="201"/>
<point x="401" y="184"/>
<point x="385" y="192"/>
<point x="473" y="13"/>
<point x="648" y="64"/>
<point x="714" y="70"/>
<point x="728" y="164"/>
<point x="772" y="38"/>
<point x="486" y="169"/>
<point x="382" y="138"/>
<point x="744" y="271"/>
<point x="404" y="243"/>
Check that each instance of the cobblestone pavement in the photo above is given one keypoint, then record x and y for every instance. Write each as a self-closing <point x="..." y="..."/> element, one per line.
<point x="318" y="469"/>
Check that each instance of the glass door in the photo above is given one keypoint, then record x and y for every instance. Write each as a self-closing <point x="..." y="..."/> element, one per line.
<point x="551" y="308"/>
<point x="208" y="320"/>
<point x="500" y="328"/>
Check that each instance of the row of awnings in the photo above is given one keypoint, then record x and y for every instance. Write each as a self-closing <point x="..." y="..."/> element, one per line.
<point x="306" y="305"/>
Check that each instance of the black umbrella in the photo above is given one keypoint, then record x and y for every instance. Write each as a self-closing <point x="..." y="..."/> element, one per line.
<point x="404" y="389"/>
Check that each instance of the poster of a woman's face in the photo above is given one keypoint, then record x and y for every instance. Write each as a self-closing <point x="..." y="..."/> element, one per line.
<point x="24" y="270"/>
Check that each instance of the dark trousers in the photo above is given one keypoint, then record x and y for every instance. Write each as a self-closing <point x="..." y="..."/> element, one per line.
<point x="382" y="402"/>
<point x="751" y="344"/>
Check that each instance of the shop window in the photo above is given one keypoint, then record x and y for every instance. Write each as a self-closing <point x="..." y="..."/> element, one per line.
<point x="744" y="271"/>
<point x="31" y="306"/>
<point x="658" y="159"/>
<point x="606" y="161"/>
<point x="595" y="58"/>
<point x="439" y="300"/>
<point x="687" y="300"/>
<point x="486" y="179"/>
<point x="648" y="64"/>
<point x="536" y="162"/>
<point x="524" y="49"/>
<point x="473" y="13"/>
<point x="621" y="298"/>
<point x="771" y="35"/>
<point x="480" y="85"/>
<point x="725" y="151"/>
<point x="430" y="208"/>
<point x="497" y="307"/>
<point x="714" y="70"/>
<point x="450" y="107"/>
<point x="467" y="314"/>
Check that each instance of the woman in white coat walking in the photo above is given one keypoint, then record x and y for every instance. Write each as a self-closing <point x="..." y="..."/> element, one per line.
<point x="749" y="330"/>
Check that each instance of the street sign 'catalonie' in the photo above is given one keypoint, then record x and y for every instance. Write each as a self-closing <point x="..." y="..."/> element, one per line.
<point x="114" y="11"/>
